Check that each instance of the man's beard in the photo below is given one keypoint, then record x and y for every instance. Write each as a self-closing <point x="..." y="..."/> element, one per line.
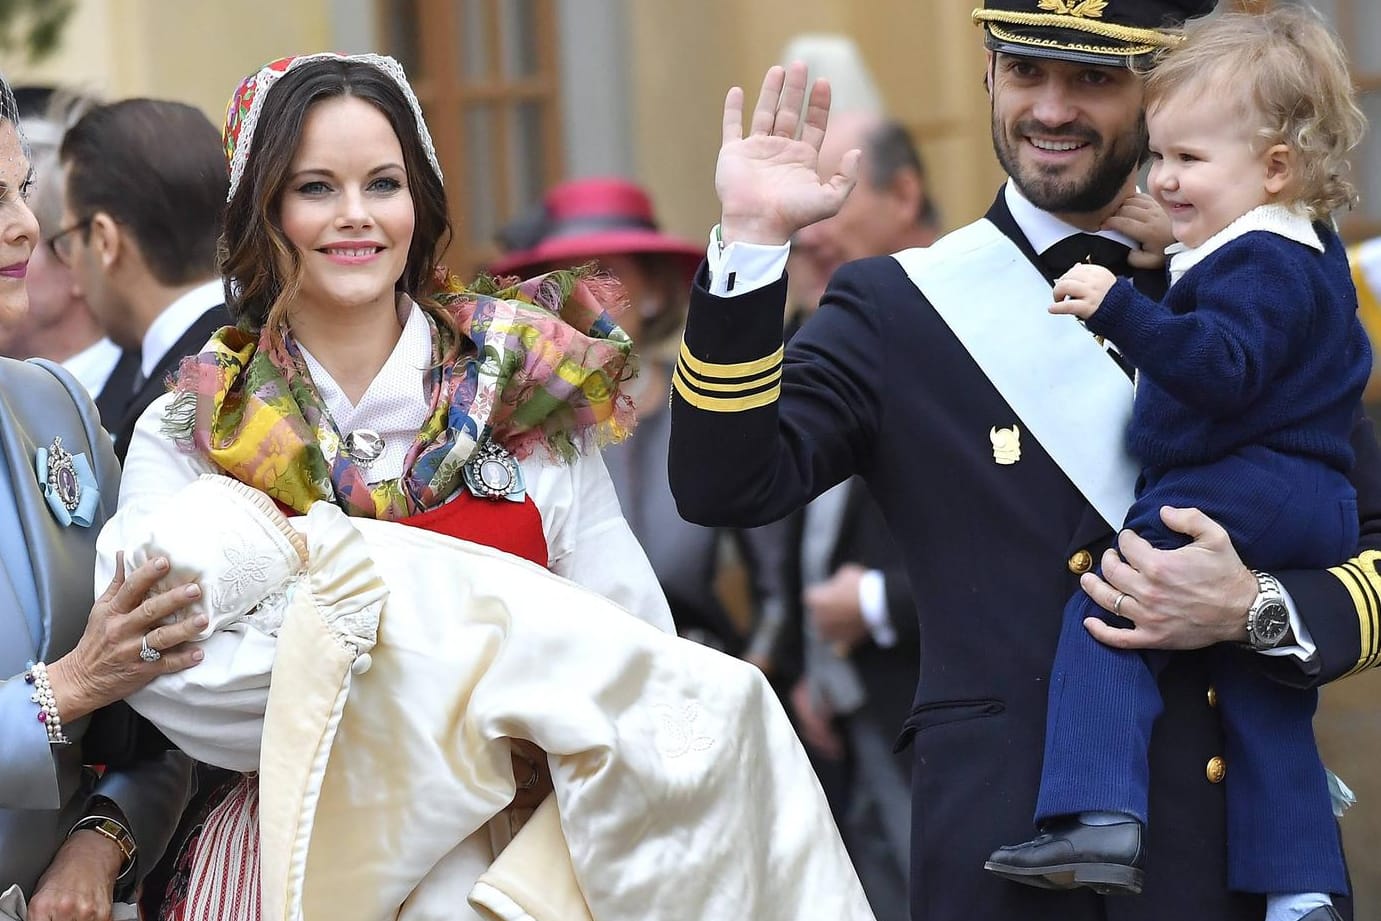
<point x="1062" y="194"/>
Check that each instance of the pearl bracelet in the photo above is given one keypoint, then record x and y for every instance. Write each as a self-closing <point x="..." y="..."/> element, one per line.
<point x="48" y="715"/>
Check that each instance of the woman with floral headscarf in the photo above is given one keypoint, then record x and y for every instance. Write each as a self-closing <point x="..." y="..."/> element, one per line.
<point x="360" y="375"/>
<point x="421" y="639"/>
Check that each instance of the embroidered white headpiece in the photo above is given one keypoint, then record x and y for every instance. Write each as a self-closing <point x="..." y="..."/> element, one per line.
<point x="242" y="115"/>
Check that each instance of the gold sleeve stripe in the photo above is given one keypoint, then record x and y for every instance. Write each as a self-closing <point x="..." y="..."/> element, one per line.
<point x="1356" y="587"/>
<point x="738" y="369"/>
<point x="1362" y="582"/>
<point x="752" y="383"/>
<point x="723" y="404"/>
<point x="1364" y="565"/>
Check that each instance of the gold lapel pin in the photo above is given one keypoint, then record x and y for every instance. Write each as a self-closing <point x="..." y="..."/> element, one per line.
<point x="1006" y="444"/>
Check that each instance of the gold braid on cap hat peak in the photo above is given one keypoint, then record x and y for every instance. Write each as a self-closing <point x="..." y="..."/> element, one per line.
<point x="1142" y="40"/>
<point x="242" y="114"/>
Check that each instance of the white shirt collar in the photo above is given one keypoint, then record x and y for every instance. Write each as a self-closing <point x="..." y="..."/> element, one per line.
<point x="1043" y="229"/>
<point x="394" y="404"/>
<point x="92" y="365"/>
<point x="1282" y="220"/>
<point x="172" y="324"/>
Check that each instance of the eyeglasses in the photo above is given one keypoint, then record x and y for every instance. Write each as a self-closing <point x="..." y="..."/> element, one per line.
<point x="60" y="243"/>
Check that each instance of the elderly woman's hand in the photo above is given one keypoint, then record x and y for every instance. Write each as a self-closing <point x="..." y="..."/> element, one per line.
<point x="110" y="661"/>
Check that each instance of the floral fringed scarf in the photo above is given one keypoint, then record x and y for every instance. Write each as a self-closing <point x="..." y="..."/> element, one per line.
<point x="540" y="367"/>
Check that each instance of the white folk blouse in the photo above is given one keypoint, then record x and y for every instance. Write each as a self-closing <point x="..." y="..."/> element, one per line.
<point x="214" y="711"/>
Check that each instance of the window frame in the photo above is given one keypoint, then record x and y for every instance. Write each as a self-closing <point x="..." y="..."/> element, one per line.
<point x="447" y="96"/>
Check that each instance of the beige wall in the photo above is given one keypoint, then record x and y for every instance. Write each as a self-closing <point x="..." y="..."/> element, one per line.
<point x="926" y="58"/>
<point x="1349" y="731"/>
<point x="195" y="51"/>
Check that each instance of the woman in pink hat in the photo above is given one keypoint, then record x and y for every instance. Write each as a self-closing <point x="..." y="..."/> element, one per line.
<point x="610" y="222"/>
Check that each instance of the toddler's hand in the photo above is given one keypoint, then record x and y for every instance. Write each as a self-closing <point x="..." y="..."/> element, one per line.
<point x="1081" y="290"/>
<point x="1145" y="222"/>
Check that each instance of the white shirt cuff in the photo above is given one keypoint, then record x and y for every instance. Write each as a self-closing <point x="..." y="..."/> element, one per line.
<point x="743" y="267"/>
<point x="872" y="603"/>
<point x="1304" y="648"/>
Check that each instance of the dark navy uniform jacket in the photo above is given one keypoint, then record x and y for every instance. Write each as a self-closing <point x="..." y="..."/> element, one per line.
<point x="877" y="384"/>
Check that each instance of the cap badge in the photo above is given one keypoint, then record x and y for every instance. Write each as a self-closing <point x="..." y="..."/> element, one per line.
<point x="1092" y="9"/>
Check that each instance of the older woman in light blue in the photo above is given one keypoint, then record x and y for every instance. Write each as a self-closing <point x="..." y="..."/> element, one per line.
<point x="71" y="842"/>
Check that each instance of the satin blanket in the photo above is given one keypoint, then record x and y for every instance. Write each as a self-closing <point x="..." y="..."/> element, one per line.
<point x="405" y="662"/>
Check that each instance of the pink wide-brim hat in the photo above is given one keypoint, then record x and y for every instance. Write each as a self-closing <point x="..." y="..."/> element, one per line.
<point x="586" y="218"/>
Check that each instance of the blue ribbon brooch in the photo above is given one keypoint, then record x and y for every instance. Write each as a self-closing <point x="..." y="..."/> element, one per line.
<point x="68" y="483"/>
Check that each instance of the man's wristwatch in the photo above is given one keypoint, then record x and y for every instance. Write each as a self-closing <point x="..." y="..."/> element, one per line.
<point x="1268" y="619"/>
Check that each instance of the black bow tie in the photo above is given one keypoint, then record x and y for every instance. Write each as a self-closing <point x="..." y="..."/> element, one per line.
<point x="1086" y="247"/>
<point x="1089" y="248"/>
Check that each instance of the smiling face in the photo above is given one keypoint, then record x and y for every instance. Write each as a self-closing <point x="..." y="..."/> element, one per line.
<point x="18" y="227"/>
<point x="1205" y="170"/>
<point x="347" y="208"/>
<point x="1070" y="135"/>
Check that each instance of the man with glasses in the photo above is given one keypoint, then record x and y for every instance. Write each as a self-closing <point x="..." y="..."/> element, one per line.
<point x="145" y="185"/>
<point x="58" y="324"/>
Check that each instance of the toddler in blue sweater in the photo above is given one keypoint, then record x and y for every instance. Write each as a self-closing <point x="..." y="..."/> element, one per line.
<point x="1250" y="373"/>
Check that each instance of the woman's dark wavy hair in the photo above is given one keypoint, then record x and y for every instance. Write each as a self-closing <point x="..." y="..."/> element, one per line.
<point x="261" y="266"/>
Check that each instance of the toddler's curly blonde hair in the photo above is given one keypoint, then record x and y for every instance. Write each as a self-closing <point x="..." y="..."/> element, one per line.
<point x="1284" y="71"/>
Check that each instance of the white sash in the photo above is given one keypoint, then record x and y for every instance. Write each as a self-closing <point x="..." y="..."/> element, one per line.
<point x="1063" y="386"/>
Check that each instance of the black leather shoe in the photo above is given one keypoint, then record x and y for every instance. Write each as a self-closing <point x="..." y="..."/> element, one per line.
<point x="1323" y="913"/>
<point x="1067" y="854"/>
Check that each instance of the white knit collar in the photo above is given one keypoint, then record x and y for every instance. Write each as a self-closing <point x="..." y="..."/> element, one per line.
<point x="1282" y="220"/>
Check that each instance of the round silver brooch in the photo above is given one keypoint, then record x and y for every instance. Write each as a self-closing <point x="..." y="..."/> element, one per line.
<point x="491" y="472"/>
<point x="363" y="446"/>
<point x="62" y="476"/>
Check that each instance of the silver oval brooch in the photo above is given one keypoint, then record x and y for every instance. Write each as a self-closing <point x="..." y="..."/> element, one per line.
<point x="68" y="484"/>
<point x="363" y="446"/>
<point x="492" y="473"/>
<point x="62" y="476"/>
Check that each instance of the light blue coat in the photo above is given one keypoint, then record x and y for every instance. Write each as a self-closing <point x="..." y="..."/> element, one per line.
<point x="46" y="589"/>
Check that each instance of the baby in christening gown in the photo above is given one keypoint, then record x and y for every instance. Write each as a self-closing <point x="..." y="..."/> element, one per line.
<point x="410" y="658"/>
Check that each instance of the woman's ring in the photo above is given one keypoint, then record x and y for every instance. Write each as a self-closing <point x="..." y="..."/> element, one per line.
<point x="147" y="652"/>
<point x="1117" y="605"/>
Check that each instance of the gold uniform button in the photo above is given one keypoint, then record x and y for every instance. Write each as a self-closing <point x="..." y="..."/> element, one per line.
<point x="1216" y="769"/>
<point x="1212" y="696"/>
<point x="1081" y="562"/>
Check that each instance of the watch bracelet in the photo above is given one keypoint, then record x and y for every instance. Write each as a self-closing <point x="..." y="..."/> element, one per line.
<point x="1269" y="590"/>
<point x="122" y="839"/>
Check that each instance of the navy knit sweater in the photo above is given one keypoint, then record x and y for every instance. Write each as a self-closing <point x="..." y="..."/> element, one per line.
<point x="1257" y="344"/>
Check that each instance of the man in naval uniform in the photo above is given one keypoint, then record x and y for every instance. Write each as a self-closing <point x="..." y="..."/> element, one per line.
<point x="990" y="432"/>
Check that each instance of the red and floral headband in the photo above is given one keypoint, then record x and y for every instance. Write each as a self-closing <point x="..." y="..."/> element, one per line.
<point x="242" y="115"/>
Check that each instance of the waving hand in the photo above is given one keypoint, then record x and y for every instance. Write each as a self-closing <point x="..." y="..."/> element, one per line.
<point x="767" y="181"/>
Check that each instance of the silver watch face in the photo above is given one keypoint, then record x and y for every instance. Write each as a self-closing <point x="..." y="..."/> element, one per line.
<point x="1269" y="624"/>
